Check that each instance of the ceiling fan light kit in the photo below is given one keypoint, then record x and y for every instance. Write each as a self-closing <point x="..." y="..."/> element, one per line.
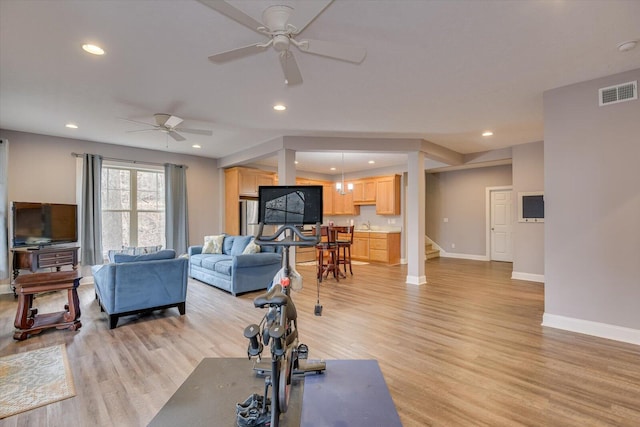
<point x="275" y="25"/>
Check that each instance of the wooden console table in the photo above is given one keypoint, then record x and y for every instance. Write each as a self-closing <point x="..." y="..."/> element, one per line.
<point x="50" y="257"/>
<point x="35" y="259"/>
<point x="28" y="321"/>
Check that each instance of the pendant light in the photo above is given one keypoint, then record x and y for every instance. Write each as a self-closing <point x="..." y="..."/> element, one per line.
<point x="340" y="186"/>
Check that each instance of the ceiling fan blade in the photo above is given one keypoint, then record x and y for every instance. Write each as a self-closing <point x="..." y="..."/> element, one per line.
<point x="141" y="130"/>
<point x="305" y="13"/>
<point x="173" y="121"/>
<point x="240" y="52"/>
<point x="340" y="51"/>
<point x="137" y="122"/>
<point x="195" y="131"/>
<point x="234" y="13"/>
<point x="290" y="68"/>
<point x="176" y="136"/>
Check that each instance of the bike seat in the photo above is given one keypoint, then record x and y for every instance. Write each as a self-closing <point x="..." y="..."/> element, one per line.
<point x="273" y="297"/>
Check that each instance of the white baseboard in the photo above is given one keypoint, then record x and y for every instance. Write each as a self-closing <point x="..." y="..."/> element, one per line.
<point x="527" y="276"/>
<point x="5" y="289"/>
<point x="464" y="256"/>
<point x="602" y="330"/>
<point x="416" y="280"/>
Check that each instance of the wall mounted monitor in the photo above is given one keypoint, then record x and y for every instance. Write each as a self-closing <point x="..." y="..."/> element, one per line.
<point x="531" y="206"/>
<point x="290" y="204"/>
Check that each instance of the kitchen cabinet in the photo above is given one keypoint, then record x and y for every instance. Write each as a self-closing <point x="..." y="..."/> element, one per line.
<point x="379" y="247"/>
<point x="384" y="247"/>
<point x="364" y="192"/>
<point x="360" y="246"/>
<point x="343" y="204"/>
<point x="388" y="195"/>
<point x="241" y="182"/>
<point x="327" y="199"/>
<point x="249" y="181"/>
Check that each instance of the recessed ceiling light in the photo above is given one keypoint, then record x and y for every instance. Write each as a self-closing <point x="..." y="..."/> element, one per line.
<point x="93" y="49"/>
<point x="627" y="46"/>
<point x="296" y="162"/>
<point x="371" y="162"/>
<point x="279" y="107"/>
<point x="487" y="133"/>
<point x="71" y="126"/>
<point x="196" y="146"/>
<point x="332" y="169"/>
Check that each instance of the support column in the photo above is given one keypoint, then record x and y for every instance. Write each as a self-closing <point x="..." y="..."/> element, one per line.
<point x="286" y="167"/>
<point x="416" y="227"/>
<point x="287" y="176"/>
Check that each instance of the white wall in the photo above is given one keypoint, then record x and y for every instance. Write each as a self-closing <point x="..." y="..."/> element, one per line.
<point x="528" y="242"/>
<point x="592" y="202"/>
<point x="41" y="168"/>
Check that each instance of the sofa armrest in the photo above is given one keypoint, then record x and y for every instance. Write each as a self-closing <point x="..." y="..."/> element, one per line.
<point x="195" y="250"/>
<point x="255" y="260"/>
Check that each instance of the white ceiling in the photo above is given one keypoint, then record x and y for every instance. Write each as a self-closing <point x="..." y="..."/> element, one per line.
<point x="443" y="71"/>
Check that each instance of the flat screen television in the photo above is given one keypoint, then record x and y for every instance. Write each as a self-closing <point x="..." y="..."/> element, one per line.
<point x="290" y="204"/>
<point x="42" y="224"/>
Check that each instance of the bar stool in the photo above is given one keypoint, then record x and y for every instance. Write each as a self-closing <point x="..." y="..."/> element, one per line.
<point x="344" y="241"/>
<point x="329" y="246"/>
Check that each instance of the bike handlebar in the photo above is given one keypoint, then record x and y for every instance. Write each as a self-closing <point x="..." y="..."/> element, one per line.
<point x="289" y="239"/>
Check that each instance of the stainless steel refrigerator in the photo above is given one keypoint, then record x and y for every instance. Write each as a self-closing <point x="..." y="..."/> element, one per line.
<point x="248" y="217"/>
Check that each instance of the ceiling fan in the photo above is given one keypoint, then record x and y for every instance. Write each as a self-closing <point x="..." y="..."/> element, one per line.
<point x="275" y="25"/>
<point x="170" y="125"/>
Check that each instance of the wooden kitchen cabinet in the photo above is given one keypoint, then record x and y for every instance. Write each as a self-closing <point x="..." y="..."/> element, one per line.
<point x="239" y="182"/>
<point x="360" y="246"/>
<point x="343" y="204"/>
<point x="376" y="247"/>
<point x="327" y="199"/>
<point x="249" y="181"/>
<point x="364" y="192"/>
<point x="388" y="195"/>
<point x="384" y="247"/>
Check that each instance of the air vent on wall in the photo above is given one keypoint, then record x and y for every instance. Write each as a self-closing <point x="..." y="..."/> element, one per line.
<point x="618" y="93"/>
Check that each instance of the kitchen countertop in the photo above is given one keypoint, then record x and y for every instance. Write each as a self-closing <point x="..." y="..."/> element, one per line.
<point x="378" y="230"/>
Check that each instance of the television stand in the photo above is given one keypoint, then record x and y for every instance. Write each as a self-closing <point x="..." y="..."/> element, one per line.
<point x="33" y="259"/>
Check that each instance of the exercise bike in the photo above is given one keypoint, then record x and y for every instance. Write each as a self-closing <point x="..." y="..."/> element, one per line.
<point x="279" y="330"/>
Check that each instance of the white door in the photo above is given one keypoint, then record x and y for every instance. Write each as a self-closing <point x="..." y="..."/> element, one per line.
<point x="501" y="225"/>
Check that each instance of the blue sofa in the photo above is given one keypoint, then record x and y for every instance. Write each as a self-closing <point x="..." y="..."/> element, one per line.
<point x="138" y="283"/>
<point x="232" y="270"/>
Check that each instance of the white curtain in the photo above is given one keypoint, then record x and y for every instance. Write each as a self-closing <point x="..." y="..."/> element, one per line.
<point x="4" y="179"/>
<point x="176" y="216"/>
<point x="91" y="221"/>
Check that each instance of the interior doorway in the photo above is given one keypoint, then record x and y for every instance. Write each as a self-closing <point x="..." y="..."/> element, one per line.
<point x="500" y="224"/>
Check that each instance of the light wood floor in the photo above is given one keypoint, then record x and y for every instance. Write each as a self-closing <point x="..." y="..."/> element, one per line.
<point x="467" y="349"/>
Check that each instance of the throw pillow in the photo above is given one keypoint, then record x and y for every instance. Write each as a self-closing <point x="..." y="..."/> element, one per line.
<point x="213" y="244"/>
<point x="239" y="243"/>
<point x="252" y="248"/>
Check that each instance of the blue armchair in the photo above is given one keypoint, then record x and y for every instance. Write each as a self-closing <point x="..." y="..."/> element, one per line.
<point x="137" y="283"/>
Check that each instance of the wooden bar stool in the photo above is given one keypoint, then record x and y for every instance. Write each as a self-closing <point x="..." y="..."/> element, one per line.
<point x="344" y="241"/>
<point x="329" y="247"/>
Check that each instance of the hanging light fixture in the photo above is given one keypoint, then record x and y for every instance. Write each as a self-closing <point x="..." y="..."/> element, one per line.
<point x="340" y="186"/>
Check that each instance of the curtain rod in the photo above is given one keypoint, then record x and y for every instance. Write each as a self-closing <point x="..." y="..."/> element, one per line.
<point x="113" y="159"/>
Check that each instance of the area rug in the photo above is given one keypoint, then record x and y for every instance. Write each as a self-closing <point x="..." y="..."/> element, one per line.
<point x="34" y="378"/>
<point x="352" y="262"/>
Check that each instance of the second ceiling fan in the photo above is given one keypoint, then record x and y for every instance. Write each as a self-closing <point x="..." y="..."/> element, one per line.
<point x="281" y="33"/>
<point x="170" y="125"/>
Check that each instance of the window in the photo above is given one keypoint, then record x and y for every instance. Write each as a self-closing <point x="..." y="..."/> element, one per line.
<point x="133" y="209"/>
